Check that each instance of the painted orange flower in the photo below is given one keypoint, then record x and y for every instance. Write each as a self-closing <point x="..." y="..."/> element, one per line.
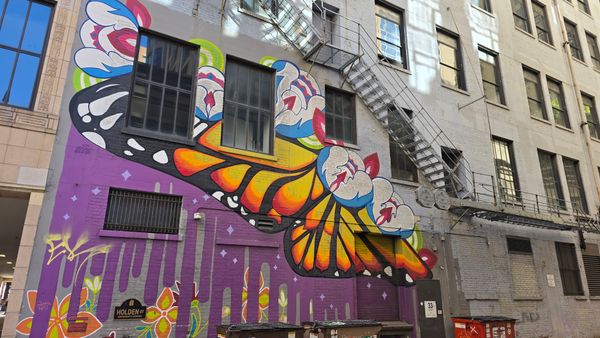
<point x="58" y="326"/>
<point x="163" y="315"/>
<point x="263" y="298"/>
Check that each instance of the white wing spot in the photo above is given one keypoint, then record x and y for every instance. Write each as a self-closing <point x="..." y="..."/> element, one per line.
<point x="83" y="109"/>
<point x="106" y="87"/>
<point x="128" y="153"/>
<point x="218" y="195"/>
<point x="95" y="138"/>
<point x="135" y="145"/>
<point x="109" y="122"/>
<point x="232" y="203"/>
<point x="100" y="106"/>
<point x="86" y="119"/>
<point x="161" y="157"/>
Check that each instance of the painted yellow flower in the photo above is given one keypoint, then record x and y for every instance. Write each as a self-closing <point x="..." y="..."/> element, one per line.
<point x="163" y="315"/>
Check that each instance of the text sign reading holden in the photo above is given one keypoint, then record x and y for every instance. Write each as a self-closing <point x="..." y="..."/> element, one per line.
<point x="130" y="309"/>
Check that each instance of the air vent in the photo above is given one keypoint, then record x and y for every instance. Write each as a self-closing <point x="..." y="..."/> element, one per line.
<point x="519" y="245"/>
<point x="265" y="223"/>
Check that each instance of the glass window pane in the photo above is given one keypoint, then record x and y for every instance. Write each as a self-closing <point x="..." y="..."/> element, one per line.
<point x="13" y="22"/>
<point x="158" y="60"/>
<point x="138" y="105"/>
<point x="231" y="78"/>
<point x="189" y="68"/>
<point x="144" y="58"/>
<point x="7" y="62"/>
<point x="173" y="62"/>
<point x="449" y="76"/>
<point x="154" y="107"/>
<point x="266" y="91"/>
<point x="254" y="91"/>
<point x="168" y="111"/>
<point x="240" y="128"/>
<point x="37" y="25"/>
<point x="22" y="86"/>
<point x="254" y="140"/>
<point x="183" y="114"/>
<point x="228" y="124"/>
<point x="242" y="84"/>
<point x="448" y="55"/>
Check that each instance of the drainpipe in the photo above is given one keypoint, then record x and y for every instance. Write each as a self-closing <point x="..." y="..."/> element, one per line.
<point x="584" y="126"/>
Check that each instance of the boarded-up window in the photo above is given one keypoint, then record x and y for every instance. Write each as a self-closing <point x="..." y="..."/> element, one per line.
<point x="591" y="263"/>
<point x="522" y="268"/>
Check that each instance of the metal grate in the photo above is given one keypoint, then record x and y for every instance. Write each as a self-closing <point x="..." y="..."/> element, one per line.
<point x="142" y="212"/>
<point x="592" y="273"/>
<point x="518" y="245"/>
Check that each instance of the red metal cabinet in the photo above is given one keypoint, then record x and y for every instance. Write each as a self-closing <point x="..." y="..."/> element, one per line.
<point x="484" y="327"/>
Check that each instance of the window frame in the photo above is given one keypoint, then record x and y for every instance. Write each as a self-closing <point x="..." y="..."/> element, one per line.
<point x="460" y="71"/>
<point x="271" y="70"/>
<point x="402" y="32"/>
<point x="497" y="73"/>
<point x="576" y="271"/>
<point x="487" y="6"/>
<point x="579" y="184"/>
<point x="564" y="111"/>
<point x="594" y="114"/>
<point x="547" y="29"/>
<point x="539" y="91"/>
<point x="514" y="173"/>
<point x="158" y="134"/>
<point x="593" y="50"/>
<point x="560" y="195"/>
<point x="354" y="133"/>
<point x="34" y="91"/>
<point x="396" y="148"/>
<point x="576" y="44"/>
<point x="517" y="16"/>
<point x="586" y="6"/>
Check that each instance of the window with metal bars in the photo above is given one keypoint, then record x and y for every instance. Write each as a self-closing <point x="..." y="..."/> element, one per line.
<point x="164" y="79"/>
<point x="520" y="15"/>
<point x="24" y="27"/>
<point x="535" y="99"/>
<point x="591" y="265"/>
<point x="592" y="42"/>
<point x="575" y="185"/>
<point x="557" y="101"/>
<point x="540" y="17"/>
<point x="506" y="171"/>
<point x="591" y="115"/>
<point x="490" y="74"/>
<point x="569" y="269"/>
<point x="249" y="106"/>
<point x="139" y="211"/>
<point x="573" y="38"/>
<point x="551" y="180"/>
<point x="340" y="115"/>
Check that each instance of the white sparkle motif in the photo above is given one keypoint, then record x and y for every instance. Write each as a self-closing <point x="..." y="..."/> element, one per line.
<point x="74" y="198"/>
<point x="384" y="295"/>
<point x="322" y="296"/>
<point x="96" y="191"/>
<point x="230" y="230"/>
<point x="66" y="216"/>
<point x="223" y="253"/>
<point x="126" y="175"/>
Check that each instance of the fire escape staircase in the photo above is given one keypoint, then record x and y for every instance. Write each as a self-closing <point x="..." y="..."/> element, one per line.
<point x="348" y="48"/>
<point x="358" y="60"/>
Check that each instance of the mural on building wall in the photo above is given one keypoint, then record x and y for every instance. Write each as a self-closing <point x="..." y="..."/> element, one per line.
<point x="334" y="216"/>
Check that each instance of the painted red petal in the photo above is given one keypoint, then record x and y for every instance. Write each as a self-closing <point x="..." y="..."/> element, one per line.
<point x="319" y="125"/>
<point x="140" y="12"/>
<point x="124" y="41"/>
<point x="428" y="257"/>
<point x="372" y="165"/>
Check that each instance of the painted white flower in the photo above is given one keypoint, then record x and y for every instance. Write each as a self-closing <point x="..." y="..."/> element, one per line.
<point x="388" y="211"/>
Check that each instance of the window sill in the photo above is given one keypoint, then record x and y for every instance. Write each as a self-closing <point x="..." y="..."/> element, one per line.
<point x="525" y="299"/>
<point x="540" y="120"/>
<point x="248" y="153"/>
<point x="549" y="45"/>
<point x="580" y="298"/>
<point x="139" y="235"/>
<point x="594" y="139"/>
<point x="458" y="90"/>
<point x="333" y="142"/>
<point x="594" y="297"/>
<point x="158" y="136"/>
<point x="580" y="61"/>
<point x="564" y="128"/>
<point x="525" y="32"/>
<point x="404" y="182"/>
<point x="490" y="14"/>
<point x="393" y="66"/>
<point x="586" y="14"/>
<point x="499" y="105"/>
<point x="254" y="15"/>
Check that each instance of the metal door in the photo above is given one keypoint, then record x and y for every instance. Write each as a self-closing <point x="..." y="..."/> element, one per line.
<point x="431" y="316"/>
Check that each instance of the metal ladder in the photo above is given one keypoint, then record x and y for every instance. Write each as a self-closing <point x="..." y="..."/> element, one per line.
<point x="394" y="105"/>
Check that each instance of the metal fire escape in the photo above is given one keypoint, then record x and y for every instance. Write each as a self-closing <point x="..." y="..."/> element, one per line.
<point x="349" y="49"/>
<point x="344" y="45"/>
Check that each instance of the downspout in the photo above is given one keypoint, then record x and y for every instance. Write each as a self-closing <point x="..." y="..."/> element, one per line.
<point x="584" y="125"/>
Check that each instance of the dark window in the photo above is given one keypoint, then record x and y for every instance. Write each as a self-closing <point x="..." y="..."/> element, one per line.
<point x="402" y="167"/>
<point x="557" y="101"/>
<point x="520" y="15"/>
<point x="255" y="6"/>
<point x="452" y="158"/>
<point x="506" y="171"/>
<point x="594" y="51"/>
<point x="483" y="4"/>
<point x="323" y="18"/>
<point x="569" y="269"/>
<point x="574" y="43"/>
<point x="583" y="6"/>
<point x="490" y="73"/>
<point x="518" y="245"/>
<point x="391" y="35"/>
<point x="541" y="22"/>
<point x="249" y="105"/>
<point x="340" y="115"/>
<point x="552" y="187"/>
<point x="591" y="264"/>
<point x="142" y="212"/>
<point x="591" y="115"/>
<point x="24" y="26"/>
<point x="535" y="99"/>
<point x="164" y="80"/>
<point x="575" y="185"/>
<point x="451" y="70"/>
